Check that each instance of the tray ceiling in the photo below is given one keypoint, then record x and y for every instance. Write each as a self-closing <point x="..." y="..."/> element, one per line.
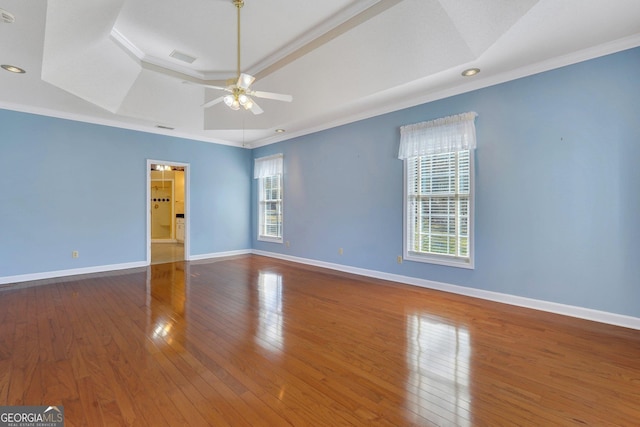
<point x="118" y="62"/>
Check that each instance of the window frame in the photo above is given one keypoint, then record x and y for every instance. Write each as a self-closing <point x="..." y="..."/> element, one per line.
<point x="433" y="258"/>
<point x="262" y="201"/>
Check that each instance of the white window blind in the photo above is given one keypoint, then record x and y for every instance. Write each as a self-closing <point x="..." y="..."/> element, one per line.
<point x="438" y="190"/>
<point x="268" y="171"/>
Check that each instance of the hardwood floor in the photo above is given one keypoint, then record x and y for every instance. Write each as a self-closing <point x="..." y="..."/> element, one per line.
<point x="253" y="341"/>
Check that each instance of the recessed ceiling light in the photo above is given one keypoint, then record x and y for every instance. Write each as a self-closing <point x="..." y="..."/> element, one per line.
<point x="470" y="72"/>
<point x="280" y="131"/>
<point x="13" y="69"/>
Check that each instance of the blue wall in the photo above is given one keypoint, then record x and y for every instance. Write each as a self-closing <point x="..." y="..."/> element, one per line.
<point x="557" y="188"/>
<point x="69" y="185"/>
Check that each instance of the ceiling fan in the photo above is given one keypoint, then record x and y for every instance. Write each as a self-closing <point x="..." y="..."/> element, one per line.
<point x="240" y="94"/>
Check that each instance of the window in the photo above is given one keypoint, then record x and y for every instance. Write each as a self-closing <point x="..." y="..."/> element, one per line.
<point x="268" y="172"/>
<point x="438" y="164"/>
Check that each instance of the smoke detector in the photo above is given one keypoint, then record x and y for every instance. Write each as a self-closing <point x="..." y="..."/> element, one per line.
<point x="6" y="17"/>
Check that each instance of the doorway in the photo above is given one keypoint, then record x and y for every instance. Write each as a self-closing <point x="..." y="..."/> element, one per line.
<point x="167" y="211"/>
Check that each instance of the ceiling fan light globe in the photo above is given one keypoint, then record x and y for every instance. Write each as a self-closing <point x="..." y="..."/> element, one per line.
<point x="239" y="93"/>
<point x="245" y="80"/>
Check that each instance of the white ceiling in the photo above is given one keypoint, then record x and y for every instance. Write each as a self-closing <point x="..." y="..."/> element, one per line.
<point x="108" y="61"/>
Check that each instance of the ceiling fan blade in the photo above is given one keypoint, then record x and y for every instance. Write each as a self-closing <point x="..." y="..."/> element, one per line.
<point x="255" y="108"/>
<point x="271" y="95"/>
<point x="207" y="86"/>
<point x="213" y="102"/>
<point x="245" y="80"/>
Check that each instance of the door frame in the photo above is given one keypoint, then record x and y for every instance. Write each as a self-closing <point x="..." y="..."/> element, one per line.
<point x="187" y="200"/>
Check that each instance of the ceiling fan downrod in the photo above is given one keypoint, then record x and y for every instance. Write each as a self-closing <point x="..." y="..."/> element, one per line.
<point x="238" y="4"/>
<point x="239" y="92"/>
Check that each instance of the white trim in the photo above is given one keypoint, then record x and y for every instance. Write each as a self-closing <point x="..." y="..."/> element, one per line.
<point x="219" y="255"/>
<point x="261" y="208"/>
<point x="70" y="272"/>
<point x="551" y="307"/>
<point x="126" y="44"/>
<point x="422" y="96"/>
<point x="427" y="258"/>
<point x="310" y="40"/>
<point x="104" y="268"/>
<point x="338" y="23"/>
<point x="449" y="261"/>
<point x="270" y="239"/>
<point x="118" y="124"/>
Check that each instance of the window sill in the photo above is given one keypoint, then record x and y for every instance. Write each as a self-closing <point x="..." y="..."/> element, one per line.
<point x="270" y="239"/>
<point x="449" y="261"/>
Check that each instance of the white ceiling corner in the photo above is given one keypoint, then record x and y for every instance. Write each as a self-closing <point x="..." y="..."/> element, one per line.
<point x="481" y="23"/>
<point x="81" y="58"/>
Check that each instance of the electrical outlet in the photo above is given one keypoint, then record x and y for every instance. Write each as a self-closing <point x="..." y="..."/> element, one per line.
<point x="399" y="259"/>
<point x="340" y="251"/>
<point x="287" y="243"/>
<point x="75" y="254"/>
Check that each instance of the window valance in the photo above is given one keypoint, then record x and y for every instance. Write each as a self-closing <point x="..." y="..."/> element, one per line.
<point x="444" y="135"/>
<point x="268" y="166"/>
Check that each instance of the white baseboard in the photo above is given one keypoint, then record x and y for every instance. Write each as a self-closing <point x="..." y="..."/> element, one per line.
<point x="219" y="255"/>
<point x="104" y="268"/>
<point x="552" y="307"/>
<point x="71" y="272"/>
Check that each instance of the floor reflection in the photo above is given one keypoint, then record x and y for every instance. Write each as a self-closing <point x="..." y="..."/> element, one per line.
<point x="167" y="286"/>
<point x="166" y="252"/>
<point x="269" y="333"/>
<point x="438" y="358"/>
